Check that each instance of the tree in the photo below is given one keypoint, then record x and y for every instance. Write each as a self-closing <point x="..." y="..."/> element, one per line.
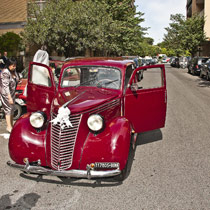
<point x="184" y="34"/>
<point x="173" y="37"/>
<point x="194" y="34"/>
<point x="149" y="40"/>
<point x="10" y="42"/>
<point x="90" y="26"/>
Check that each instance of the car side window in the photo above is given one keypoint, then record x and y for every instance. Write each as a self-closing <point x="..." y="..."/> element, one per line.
<point x="40" y="76"/>
<point x="128" y="73"/>
<point x="150" y="78"/>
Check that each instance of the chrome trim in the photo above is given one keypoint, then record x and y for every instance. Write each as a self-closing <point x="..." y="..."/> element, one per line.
<point x="71" y="173"/>
<point x="63" y="143"/>
<point x="104" y="107"/>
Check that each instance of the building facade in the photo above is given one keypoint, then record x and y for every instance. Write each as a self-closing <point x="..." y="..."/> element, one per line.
<point x="13" y="16"/>
<point x="201" y="7"/>
<point x="14" y="13"/>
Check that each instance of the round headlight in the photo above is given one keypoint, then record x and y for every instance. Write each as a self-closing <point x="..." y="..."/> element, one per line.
<point x="37" y="119"/>
<point x="95" y="122"/>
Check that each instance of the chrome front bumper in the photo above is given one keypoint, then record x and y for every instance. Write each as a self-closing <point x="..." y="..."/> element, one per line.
<point x="71" y="173"/>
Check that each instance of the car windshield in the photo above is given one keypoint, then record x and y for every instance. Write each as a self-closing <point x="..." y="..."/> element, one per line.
<point x="92" y="76"/>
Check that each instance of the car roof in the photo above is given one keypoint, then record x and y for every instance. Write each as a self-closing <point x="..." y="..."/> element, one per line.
<point x="117" y="62"/>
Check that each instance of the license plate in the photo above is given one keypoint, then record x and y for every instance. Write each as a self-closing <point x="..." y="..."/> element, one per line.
<point x="106" y="165"/>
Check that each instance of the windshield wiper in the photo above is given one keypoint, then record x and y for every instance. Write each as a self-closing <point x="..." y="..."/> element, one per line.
<point x="111" y="81"/>
<point x="84" y="82"/>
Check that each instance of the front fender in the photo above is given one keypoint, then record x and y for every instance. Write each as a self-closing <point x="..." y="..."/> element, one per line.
<point x="26" y="142"/>
<point x="111" y="145"/>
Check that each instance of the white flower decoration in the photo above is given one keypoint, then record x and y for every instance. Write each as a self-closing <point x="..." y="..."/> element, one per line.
<point x="63" y="118"/>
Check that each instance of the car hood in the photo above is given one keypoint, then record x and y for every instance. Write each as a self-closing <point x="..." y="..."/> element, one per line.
<point x="82" y="99"/>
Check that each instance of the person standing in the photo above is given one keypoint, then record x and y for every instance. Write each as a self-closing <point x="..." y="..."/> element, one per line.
<point x="8" y="82"/>
<point x="1" y="62"/>
<point x="5" y="59"/>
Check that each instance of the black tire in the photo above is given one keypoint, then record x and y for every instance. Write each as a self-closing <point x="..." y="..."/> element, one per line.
<point x="17" y="111"/>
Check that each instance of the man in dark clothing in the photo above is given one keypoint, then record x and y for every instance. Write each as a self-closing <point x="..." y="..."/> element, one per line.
<point x="4" y="57"/>
<point x="3" y="60"/>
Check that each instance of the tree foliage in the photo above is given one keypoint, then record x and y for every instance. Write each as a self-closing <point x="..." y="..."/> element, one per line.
<point x="106" y="27"/>
<point x="10" y="42"/>
<point x="184" y="34"/>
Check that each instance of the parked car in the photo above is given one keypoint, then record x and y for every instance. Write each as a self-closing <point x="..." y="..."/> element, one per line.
<point x="154" y="60"/>
<point x="20" y="95"/>
<point x="165" y="60"/>
<point x="136" y="59"/>
<point x="175" y="62"/>
<point x="205" y="70"/>
<point x="87" y="126"/>
<point x="195" y="65"/>
<point x="183" y="62"/>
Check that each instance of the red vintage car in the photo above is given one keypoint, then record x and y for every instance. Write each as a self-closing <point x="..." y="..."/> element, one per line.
<point x="84" y="127"/>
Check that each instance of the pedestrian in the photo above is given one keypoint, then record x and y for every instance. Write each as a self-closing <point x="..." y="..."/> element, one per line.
<point x="8" y="82"/>
<point x="1" y="62"/>
<point x="5" y="58"/>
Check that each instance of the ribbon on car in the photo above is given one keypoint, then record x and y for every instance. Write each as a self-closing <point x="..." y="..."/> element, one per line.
<point x="63" y="118"/>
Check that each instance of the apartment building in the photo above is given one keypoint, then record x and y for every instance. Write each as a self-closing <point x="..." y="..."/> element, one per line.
<point x="201" y="7"/>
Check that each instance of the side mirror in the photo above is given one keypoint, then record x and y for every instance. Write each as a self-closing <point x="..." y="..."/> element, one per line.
<point x="134" y="87"/>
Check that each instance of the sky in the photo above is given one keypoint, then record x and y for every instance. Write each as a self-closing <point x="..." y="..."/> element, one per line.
<point x="157" y="15"/>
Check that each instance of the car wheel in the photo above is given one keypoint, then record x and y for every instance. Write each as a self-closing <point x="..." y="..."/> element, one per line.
<point x="17" y="111"/>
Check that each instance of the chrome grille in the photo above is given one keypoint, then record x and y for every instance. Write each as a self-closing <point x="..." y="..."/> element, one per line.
<point x="63" y="142"/>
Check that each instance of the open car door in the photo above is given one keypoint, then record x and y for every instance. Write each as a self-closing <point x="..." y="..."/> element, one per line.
<point x="41" y="88"/>
<point x="146" y="98"/>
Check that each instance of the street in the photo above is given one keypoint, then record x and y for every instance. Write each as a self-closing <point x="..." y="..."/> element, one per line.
<point x="169" y="170"/>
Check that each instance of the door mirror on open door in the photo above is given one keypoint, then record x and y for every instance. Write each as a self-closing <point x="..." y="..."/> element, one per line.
<point x="134" y="87"/>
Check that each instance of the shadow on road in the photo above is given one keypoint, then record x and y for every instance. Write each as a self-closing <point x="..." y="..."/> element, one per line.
<point x="27" y="201"/>
<point x="203" y="83"/>
<point x="149" y="137"/>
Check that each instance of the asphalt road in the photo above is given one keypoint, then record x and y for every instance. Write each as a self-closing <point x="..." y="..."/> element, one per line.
<point x="170" y="168"/>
